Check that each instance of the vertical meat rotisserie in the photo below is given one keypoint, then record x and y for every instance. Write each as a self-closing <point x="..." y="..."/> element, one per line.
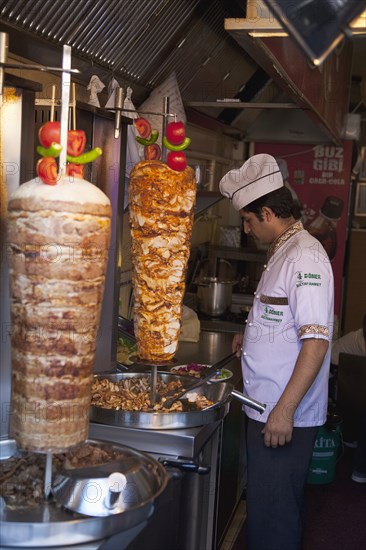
<point x="58" y="249"/>
<point x="161" y="219"/>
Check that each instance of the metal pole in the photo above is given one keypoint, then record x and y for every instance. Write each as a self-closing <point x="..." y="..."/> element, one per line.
<point x="5" y="361"/>
<point x="166" y="103"/>
<point x="47" y="476"/>
<point x="65" y="97"/>
<point x="4" y="43"/>
<point x="119" y="99"/>
<point x="3" y="187"/>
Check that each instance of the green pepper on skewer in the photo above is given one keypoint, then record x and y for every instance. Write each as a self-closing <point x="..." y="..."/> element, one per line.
<point x="185" y="143"/>
<point x="53" y="150"/>
<point x="148" y="141"/>
<point x="89" y="156"/>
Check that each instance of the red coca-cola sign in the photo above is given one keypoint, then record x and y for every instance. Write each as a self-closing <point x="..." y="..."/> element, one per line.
<point x="319" y="179"/>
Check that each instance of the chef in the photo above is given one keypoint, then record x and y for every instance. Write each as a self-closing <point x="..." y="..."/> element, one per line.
<point x="285" y="353"/>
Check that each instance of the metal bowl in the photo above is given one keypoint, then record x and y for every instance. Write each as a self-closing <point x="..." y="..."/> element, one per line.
<point x="151" y="420"/>
<point x="50" y="524"/>
<point x="129" y="483"/>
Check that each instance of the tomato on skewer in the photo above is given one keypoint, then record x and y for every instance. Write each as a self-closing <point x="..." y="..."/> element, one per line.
<point x="47" y="170"/>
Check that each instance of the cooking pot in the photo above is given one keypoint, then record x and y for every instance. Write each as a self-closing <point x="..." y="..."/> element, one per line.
<point x="214" y="297"/>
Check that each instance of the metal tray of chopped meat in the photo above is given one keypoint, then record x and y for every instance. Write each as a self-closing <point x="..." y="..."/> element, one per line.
<point x="157" y="420"/>
<point x="48" y="524"/>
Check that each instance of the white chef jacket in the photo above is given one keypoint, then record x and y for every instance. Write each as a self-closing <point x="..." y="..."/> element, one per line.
<point x="293" y="301"/>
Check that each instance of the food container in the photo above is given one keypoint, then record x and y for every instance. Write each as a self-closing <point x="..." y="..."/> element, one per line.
<point x="197" y="370"/>
<point x="155" y="420"/>
<point x="117" y="487"/>
<point x="214" y="297"/>
<point x="220" y="395"/>
<point x="51" y="524"/>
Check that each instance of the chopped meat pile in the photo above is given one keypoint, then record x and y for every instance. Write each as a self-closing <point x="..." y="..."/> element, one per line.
<point x="133" y="394"/>
<point x="21" y="480"/>
<point x="89" y="455"/>
<point x="22" y="477"/>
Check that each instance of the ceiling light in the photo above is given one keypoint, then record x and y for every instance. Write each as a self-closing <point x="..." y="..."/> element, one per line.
<point x="358" y="25"/>
<point x="266" y="34"/>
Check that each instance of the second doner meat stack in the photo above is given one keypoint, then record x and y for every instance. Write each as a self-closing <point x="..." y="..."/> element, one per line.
<point x="161" y="219"/>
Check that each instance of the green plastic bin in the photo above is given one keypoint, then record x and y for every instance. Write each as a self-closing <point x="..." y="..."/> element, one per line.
<point x="325" y="454"/>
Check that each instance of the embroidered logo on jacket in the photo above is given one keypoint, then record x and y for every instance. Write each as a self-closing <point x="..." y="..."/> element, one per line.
<point x="269" y="311"/>
<point x="308" y="279"/>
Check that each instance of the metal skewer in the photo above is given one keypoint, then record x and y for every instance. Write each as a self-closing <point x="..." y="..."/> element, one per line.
<point x="3" y="55"/>
<point x="153" y="383"/>
<point x="73" y="105"/>
<point x="119" y="100"/>
<point x="158" y="113"/>
<point x="65" y="97"/>
<point x="153" y="374"/>
<point x="52" y="116"/>
<point x="37" y="67"/>
<point x="166" y="107"/>
<point x="48" y="476"/>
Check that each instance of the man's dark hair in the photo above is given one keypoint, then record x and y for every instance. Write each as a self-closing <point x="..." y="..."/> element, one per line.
<point x="279" y="201"/>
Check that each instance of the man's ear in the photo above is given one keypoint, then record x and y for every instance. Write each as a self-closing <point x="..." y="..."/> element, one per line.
<point x="267" y="213"/>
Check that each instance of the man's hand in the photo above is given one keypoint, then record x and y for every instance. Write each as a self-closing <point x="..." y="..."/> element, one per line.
<point x="278" y="428"/>
<point x="237" y="343"/>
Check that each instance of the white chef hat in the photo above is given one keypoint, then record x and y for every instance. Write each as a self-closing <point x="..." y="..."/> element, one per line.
<point x="258" y="176"/>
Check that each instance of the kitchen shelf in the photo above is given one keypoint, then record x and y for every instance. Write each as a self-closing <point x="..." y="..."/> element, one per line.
<point x="206" y="199"/>
<point x="234" y="253"/>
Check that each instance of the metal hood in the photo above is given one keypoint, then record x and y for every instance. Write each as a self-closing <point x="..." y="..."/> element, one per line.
<point x="322" y="92"/>
<point x="141" y="43"/>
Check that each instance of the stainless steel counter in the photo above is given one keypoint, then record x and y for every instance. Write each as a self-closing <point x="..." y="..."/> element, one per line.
<point x="195" y="501"/>
<point x="180" y="443"/>
<point x="211" y="348"/>
<point x="218" y="325"/>
<point x="218" y="445"/>
<point x="232" y="467"/>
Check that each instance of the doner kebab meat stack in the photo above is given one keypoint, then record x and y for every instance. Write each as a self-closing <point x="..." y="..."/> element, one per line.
<point x="161" y="219"/>
<point x="58" y="247"/>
